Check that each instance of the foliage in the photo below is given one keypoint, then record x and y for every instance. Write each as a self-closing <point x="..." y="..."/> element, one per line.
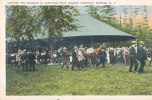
<point x="93" y="11"/>
<point x="22" y="22"/>
<point x="127" y="19"/>
<point x="52" y="80"/>
<point x="107" y="13"/>
<point x="56" y="20"/>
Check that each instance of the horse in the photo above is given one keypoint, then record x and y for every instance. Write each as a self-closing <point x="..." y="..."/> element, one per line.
<point x="94" y="55"/>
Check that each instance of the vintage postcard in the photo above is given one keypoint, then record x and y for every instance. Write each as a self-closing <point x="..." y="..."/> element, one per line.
<point x="75" y="49"/>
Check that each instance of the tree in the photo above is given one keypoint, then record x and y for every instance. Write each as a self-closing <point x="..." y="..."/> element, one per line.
<point x="21" y="23"/>
<point x="146" y="29"/>
<point x="107" y="13"/>
<point x="125" y="18"/>
<point x="57" y="20"/>
<point x="93" y="10"/>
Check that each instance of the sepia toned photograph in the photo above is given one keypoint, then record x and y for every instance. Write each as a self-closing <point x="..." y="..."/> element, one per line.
<point x="78" y="50"/>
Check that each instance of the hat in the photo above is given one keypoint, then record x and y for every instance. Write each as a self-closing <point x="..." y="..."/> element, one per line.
<point x="81" y="46"/>
<point x="133" y="42"/>
<point x="24" y="50"/>
<point x="75" y="47"/>
<point x="141" y="42"/>
<point x="59" y="50"/>
<point x="64" y="48"/>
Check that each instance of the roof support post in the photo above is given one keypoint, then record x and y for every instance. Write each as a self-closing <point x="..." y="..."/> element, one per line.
<point x="92" y="40"/>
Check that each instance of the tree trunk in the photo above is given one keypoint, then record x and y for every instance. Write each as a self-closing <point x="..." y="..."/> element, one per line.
<point x="52" y="51"/>
<point x="18" y="43"/>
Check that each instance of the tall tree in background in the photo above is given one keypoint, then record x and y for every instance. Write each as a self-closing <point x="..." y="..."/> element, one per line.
<point x="21" y="22"/>
<point x="93" y="11"/>
<point x="107" y="13"/>
<point x="145" y="24"/>
<point x="128" y="20"/>
<point x="125" y="18"/>
<point x="120" y="19"/>
<point x="56" y="20"/>
<point x="137" y="23"/>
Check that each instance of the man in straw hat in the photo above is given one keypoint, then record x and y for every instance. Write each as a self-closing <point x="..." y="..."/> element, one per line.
<point x="80" y="57"/>
<point x="65" y="55"/>
<point x="74" y="57"/>
<point x="133" y="58"/>
<point x="141" y="55"/>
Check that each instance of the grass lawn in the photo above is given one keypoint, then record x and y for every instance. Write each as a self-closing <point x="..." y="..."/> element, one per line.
<point x="52" y="80"/>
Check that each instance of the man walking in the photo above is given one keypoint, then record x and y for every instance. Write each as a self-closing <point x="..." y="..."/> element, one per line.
<point x="133" y="58"/>
<point x="141" y="54"/>
<point x="74" y="57"/>
<point x="80" y="58"/>
<point x="65" y="58"/>
<point x="31" y="60"/>
<point x="24" y="60"/>
<point x="102" y="57"/>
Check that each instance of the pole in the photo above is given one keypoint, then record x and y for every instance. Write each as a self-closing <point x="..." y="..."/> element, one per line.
<point x="136" y="41"/>
<point x="92" y="40"/>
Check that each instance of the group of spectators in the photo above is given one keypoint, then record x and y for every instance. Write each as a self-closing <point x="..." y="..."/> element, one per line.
<point x="63" y="56"/>
<point x="138" y="54"/>
<point x="76" y="57"/>
<point x="28" y="59"/>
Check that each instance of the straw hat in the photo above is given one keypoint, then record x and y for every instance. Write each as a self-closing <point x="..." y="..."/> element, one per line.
<point x="133" y="42"/>
<point x="141" y="42"/>
<point x="75" y="47"/>
<point x="64" y="48"/>
<point x="81" y="46"/>
<point x="24" y="50"/>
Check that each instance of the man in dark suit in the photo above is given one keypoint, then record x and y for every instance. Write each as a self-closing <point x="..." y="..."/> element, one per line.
<point x="74" y="57"/>
<point x="141" y="55"/>
<point x="31" y="60"/>
<point x="24" y="60"/>
<point x="65" y="55"/>
<point x="112" y="56"/>
<point x="102" y="57"/>
<point x="133" y="57"/>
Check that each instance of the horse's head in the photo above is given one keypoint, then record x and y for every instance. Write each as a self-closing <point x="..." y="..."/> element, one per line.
<point x="103" y="46"/>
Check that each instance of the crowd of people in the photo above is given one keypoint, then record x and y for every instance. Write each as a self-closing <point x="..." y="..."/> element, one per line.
<point x="64" y="57"/>
<point x="28" y="59"/>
